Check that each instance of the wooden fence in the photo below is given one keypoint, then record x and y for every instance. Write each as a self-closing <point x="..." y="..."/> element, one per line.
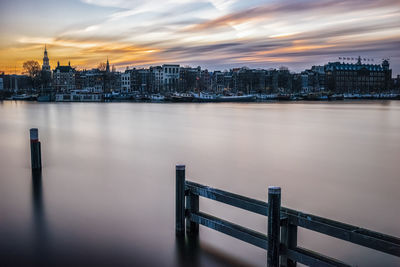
<point x="281" y="241"/>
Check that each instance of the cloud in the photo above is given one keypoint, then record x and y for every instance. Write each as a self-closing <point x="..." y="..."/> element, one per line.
<point x="275" y="9"/>
<point x="214" y="33"/>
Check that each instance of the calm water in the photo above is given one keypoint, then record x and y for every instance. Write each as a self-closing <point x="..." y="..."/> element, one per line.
<point x="106" y="196"/>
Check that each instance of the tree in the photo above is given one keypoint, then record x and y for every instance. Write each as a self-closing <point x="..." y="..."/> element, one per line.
<point x="32" y="68"/>
<point x="102" y="66"/>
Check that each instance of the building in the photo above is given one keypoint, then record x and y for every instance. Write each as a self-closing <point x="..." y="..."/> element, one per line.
<point x="358" y="77"/>
<point x="156" y="79"/>
<point x="218" y="81"/>
<point x="126" y="82"/>
<point x="249" y="81"/>
<point x="189" y="79"/>
<point x="396" y="84"/>
<point x="143" y="80"/>
<point x="170" y="77"/>
<point x="46" y="65"/>
<point x="205" y="81"/>
<point x="64" y="78"/>
<point x="1" y="84"/>
<point x="111" y="79"/>
<point x="46" y="71"/>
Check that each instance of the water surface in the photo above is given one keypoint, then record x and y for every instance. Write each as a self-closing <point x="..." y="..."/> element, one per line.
<point x="106" y="194"/>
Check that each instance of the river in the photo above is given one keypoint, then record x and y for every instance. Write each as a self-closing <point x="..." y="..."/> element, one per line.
<point x="107" y="192"/>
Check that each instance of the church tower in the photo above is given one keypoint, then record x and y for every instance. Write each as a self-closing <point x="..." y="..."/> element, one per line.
<point x="108" y="66"/>
<point x="46" y="65"/>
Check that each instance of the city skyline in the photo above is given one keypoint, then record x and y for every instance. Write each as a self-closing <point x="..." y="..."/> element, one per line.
<point x="212" y="34"/>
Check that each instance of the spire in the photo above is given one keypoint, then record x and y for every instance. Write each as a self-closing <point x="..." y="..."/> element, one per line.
<point x="46" y="65"/>
<point x="359" y="60"/>
<point x="108" y="66"/>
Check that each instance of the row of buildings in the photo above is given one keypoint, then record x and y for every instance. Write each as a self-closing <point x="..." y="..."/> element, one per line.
<point x="334" y="77"/>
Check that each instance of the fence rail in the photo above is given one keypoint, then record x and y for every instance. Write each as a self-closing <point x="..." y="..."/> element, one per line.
<point x="281" y="242"/>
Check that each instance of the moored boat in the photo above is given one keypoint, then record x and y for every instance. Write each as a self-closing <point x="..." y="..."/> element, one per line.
<point x="316" y="97"/>
<point x="334" y="97"/>
<point x="24" y="97"/>
<point x="204" y="97"/>
<point x="44" y="98"/>
<point x="157" y="97"/>
<point x="236" y="98"/>
<point x="184" y="97"/>
<point x="283" y="97"/>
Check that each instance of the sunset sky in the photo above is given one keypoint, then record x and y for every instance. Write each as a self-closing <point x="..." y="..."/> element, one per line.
<point x="214" y="34"/>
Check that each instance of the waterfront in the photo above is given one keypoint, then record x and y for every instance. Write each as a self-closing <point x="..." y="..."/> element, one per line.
<point x="107" y="192"/>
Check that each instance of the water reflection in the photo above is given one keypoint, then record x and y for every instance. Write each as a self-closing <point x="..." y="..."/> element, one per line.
<point x="108" y="168"/>
<point x="190" y="251"/>
<point x="40" y="235"/>
<point x="187" y="250"/>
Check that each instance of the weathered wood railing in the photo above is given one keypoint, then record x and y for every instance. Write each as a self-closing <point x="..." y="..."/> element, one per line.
<point x="281" y="242"/>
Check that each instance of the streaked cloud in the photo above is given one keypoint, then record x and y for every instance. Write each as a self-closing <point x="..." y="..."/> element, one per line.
<point x="211" y="33"/>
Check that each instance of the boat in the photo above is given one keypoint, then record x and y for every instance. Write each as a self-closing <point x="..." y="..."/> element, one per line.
<point x="121" y="97"/>
<point x="236" y="98"/>
<point x="316" y="97"/>
<point x="184" y="97"/>
<point x="24" y="97"/>
<point x="297" y="97"/>
<point x="367" y="96"/>
<point x="351" y="96"/>
<point x="283" y="97"/>
<point x="204" y="97"/>
<point x="44" y="98"/>
<point x="334" y="97"/>
<point x="78" y="96"/>
<point x="142" y="97"/>
<point x="157" y="97"/>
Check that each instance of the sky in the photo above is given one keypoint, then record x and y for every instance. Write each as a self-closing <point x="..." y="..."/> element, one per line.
<point x="213" y="34"/>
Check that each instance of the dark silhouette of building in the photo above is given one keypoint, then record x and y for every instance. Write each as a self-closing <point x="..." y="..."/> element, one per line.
<point x="358" y="78"/>
<point x="46" y="65"/>
<point x="64" y="78"/>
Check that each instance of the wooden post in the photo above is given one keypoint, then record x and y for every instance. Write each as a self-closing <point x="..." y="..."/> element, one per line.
<point x="180" y="200"/>
<point x="274" y="210"/>
<point x="192" y="204"/>
<point x="289" y="238"/>
<point x="36" y="157"/>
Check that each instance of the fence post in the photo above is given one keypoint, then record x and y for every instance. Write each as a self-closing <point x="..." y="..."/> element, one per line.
<point x="274" y="210"/>
<point x="180" y="199"/>
<point x="289" y="238"/>
<point x="36" y="157"/>
<point x="192" y="203"/>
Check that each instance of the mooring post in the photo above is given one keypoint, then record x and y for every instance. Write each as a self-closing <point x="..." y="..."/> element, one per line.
<point x="180" y="200"/>
<point x="192" y="204"/>
<point x="36" y="157"/>
<point x="274" y="214"/>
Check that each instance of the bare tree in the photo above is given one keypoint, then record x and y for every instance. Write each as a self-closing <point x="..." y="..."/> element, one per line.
<point x="32" y="68"/>
<point x="102" y="66"/>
